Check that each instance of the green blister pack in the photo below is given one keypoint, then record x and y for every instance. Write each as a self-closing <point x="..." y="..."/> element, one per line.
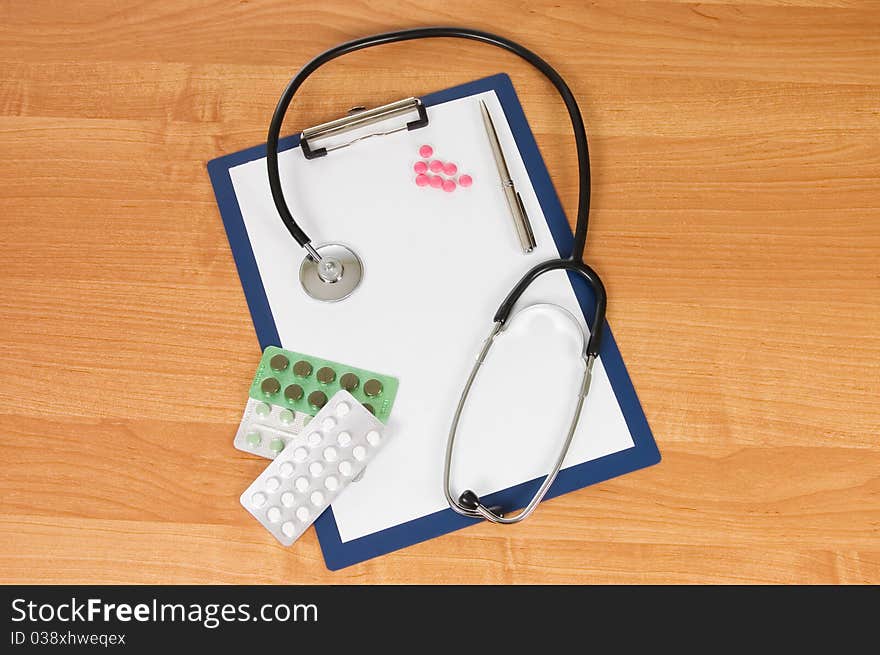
<point x="305" y="383"/>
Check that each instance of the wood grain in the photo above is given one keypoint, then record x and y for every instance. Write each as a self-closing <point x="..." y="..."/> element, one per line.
<point x="735" y="222"/>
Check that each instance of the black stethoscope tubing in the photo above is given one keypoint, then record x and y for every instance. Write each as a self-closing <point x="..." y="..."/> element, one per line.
<point x="574" y="263"/>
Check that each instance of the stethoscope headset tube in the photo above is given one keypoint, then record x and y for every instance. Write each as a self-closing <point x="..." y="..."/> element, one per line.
<point x="469" y="503"/>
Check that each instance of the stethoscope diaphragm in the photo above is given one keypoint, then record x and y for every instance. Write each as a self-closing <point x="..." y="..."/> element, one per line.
<point x="335" y="276"/>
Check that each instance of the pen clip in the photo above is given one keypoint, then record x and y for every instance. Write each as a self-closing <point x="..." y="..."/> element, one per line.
<point x="527" y="223"/>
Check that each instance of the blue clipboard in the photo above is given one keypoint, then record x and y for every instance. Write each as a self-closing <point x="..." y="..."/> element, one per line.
<point x="644" y="452"/>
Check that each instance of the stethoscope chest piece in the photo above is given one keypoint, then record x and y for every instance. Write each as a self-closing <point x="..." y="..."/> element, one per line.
<point x="334" y="276"/>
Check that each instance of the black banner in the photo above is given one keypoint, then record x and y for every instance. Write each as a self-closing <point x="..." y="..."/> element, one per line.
<point x="142" y="619"/>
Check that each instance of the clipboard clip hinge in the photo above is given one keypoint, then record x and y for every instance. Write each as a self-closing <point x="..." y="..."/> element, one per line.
<point x="361" y="117"/>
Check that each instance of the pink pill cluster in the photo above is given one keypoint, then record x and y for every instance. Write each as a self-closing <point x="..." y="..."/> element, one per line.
<point x="438" y="174"/>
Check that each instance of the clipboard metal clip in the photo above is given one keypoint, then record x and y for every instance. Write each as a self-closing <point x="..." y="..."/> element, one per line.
<point x="361" y="117"/>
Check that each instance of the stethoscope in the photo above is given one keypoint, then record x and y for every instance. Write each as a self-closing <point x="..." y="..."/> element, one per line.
<point x="333" y="271"/>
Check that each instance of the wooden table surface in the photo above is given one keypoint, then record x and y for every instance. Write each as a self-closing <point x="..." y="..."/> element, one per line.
<point x="735" y="179"/>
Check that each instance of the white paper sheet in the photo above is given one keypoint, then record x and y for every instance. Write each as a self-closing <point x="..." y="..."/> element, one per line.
<point x="437" y="265"/>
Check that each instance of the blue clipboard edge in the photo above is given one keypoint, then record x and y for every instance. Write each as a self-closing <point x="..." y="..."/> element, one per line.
<point x="644" y="453"/>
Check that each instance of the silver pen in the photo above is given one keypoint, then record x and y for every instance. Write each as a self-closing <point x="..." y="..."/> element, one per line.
<point x="514" y="201"/>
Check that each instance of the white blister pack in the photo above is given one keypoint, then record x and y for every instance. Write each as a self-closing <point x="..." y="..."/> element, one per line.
<point x="265" y="429"/>
<point x="314" y="468"/>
